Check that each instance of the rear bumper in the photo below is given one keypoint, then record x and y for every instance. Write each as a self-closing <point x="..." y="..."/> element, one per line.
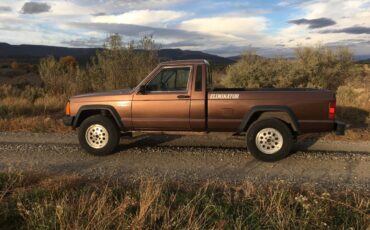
<point x="339" y="128"/>
<point x="68" y="120"/>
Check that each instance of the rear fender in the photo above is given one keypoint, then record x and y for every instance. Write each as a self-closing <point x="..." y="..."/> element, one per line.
<point x="283" y="113"/>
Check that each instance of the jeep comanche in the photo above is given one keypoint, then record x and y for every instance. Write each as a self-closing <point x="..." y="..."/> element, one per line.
<point x="179" y="96"/>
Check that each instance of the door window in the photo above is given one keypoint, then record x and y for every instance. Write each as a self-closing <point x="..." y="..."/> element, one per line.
<point x="170" y="79"/>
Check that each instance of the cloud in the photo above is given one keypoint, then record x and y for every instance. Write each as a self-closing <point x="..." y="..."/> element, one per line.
<point x="89" y="42"/>
<point x="5" y="9"/>
<point x="233" y="27"/>
<point x="119" y="6"/>
<point x="229" y="50"/>
<point x="349" y="30"/>
<point x="156" y="18"/>
<point x="99" y="14"/>
<point x="138" y="31"/>
<point x="182" y="44"/>
<point x="35" y="8"/>
<point x="234" y="50"/>
<point x="314" y="23"/>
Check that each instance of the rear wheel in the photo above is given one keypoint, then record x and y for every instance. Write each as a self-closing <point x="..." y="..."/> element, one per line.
<point x="98" y="135"/>
<point x="269" y="139"/>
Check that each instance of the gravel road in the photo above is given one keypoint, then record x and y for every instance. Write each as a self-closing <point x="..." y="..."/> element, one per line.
<point x="188" y="158"/>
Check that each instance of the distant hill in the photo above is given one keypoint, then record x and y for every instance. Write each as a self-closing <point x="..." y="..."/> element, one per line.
<point x="365" y="58"/>
<point x="235" y="58"/>
<point x="178" y="54"/>
<point x="83" y="54"/>
<point x="37" y="51"/>
<point x="364" y="61"/>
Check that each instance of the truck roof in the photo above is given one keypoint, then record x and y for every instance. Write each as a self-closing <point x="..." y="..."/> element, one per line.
<point x="190" y="61"/>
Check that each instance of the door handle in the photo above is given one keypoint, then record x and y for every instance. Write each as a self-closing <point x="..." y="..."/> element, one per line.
<point x="183" y="97"/>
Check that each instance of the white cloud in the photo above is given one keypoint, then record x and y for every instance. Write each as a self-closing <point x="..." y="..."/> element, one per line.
<point x="157" y="18"/>
<point x="344" y="13"/>
<point x="232" y="27"/>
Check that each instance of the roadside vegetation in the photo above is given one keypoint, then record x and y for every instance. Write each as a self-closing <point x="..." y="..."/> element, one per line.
<point x="36" y="201"/>
<point x="117" y="66"/>
<point x="123" y="65"/>
<point x="312" y="67"/>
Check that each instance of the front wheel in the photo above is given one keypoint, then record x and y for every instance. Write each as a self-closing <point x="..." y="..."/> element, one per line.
<point x="269" y="140"/>
<point x="98" y="135"/>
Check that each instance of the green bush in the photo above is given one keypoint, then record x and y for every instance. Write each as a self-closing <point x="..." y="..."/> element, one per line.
<point x="317" y="67"/>
<point x="116" y="66"/>
<point x="57" y="77"/>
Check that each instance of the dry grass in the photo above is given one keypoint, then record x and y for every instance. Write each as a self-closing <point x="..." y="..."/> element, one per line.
<point x="15" y="106"/>
<point x="29" y="101"/>
<point x="351" y="135"/>
<point x="353" y="99"/>
<point x="34" y="201"/>
<point x="33" y="124"/>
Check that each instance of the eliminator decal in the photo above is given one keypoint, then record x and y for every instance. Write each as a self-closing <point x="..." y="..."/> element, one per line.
<point x="223" y="96"/>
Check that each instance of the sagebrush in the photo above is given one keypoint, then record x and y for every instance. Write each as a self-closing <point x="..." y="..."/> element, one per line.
<point x="316" y="67"/>
<point x="116" y="66"/>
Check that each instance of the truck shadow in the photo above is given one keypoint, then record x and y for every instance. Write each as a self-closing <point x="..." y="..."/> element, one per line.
<point x="145" y="140"/>
<point x="354" y="118"/>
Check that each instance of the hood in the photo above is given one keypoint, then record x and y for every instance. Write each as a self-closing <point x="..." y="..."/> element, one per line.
<point x="107" y="93"/>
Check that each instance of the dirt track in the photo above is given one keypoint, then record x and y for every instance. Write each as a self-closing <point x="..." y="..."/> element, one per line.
<point x="191" y="158"/>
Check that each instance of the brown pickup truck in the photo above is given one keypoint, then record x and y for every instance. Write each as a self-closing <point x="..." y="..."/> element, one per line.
<point x="179" y="96"/>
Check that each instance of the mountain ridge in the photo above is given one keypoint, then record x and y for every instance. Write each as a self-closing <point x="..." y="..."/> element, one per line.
<point x="39" y="51"/>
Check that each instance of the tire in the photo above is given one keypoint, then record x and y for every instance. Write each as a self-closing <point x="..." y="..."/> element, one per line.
<point x="269" y="140"/>
<point x="98" y="135"/>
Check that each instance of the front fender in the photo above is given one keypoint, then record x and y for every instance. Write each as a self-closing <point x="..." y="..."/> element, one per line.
<point x="101" y="109"/>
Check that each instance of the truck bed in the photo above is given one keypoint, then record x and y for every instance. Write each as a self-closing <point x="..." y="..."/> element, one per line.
<point x="261" y="89"/>
<point x="229" y="105"/>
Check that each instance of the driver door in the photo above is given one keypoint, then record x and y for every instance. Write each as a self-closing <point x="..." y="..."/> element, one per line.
<point x="165" y="105"/>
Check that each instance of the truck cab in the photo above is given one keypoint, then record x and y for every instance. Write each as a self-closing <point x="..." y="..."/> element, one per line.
<point x="172" y="97"/>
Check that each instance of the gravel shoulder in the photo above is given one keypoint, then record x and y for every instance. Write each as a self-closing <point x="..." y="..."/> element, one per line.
<point x="188" y="158"/>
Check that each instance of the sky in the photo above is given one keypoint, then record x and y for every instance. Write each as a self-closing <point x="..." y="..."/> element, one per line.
<point x="226" y="28"/>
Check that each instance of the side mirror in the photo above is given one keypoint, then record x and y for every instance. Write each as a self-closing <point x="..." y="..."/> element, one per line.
<point x="142" y="89"/>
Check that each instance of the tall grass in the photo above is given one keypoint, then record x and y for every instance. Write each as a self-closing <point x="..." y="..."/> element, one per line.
<point x="69" y="202"/>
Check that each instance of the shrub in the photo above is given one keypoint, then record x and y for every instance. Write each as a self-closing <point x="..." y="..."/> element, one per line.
<point x="14" y="65"/>
<point x="353" y="100"/>
<point x="122" y="65"/>
<point x="58" y="78"/>
<point x="116" y="66"/>
<point x="68" y="61"/>
<point x="317" y="67"/>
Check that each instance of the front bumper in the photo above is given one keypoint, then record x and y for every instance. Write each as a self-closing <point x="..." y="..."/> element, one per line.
<point x="68" y="120"/>
<point x="339" y="128"/>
